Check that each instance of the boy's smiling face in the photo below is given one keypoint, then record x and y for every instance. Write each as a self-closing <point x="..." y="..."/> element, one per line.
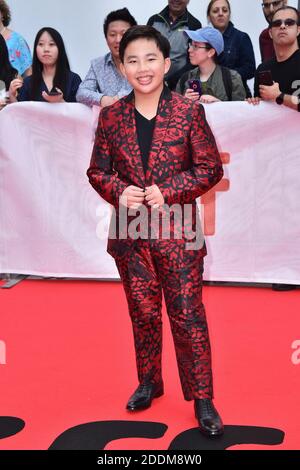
<point x="145" y="66"/>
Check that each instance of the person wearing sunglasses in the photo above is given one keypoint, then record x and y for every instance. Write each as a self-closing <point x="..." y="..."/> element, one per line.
<point x="284" y="30"/>
<point x="284" y="68"/>
<point x="265" y="42"/>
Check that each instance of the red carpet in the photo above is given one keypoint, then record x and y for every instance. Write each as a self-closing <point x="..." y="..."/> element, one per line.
<point x="70" y="361"/>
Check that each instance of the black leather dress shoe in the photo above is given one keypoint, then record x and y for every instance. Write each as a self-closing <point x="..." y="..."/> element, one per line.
<point x="143" y="396"/>
<point x="209" y="420"/>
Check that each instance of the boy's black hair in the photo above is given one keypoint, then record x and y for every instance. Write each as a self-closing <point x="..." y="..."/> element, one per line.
<point x="144" y="32"/>
<point x="118" y="15"/>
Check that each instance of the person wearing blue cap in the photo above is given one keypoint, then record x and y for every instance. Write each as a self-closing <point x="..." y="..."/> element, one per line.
<point x="209" y="82"/>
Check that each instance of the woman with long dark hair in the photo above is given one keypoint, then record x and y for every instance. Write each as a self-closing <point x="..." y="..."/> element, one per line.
<point x="51" y="79"/>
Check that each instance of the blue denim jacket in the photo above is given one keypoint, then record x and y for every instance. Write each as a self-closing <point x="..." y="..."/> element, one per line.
<point x="238" y="53"/>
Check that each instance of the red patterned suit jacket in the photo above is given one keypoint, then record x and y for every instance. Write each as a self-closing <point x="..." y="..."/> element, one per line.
<point x="184" y="160"/>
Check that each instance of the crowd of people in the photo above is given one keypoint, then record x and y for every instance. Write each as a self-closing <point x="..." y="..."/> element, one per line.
<point x="208" y="64"/>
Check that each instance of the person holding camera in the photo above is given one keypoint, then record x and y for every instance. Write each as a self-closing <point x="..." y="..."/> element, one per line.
<point x="209" y="82"/>
<point x="52" y="80"/>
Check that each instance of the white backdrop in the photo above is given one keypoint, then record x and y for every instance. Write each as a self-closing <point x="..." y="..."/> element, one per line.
<point x="52" y="222"/>
<point x="81" y="22"/>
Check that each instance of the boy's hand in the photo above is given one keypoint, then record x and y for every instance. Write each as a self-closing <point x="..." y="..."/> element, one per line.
<point x="154" y="196"/>
<point x="132" y="197"/>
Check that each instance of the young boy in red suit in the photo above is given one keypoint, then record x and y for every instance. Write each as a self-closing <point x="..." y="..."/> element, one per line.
<point x="154" y="149"/>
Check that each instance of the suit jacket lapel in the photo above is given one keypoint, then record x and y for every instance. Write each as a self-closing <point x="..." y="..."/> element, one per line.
<point x="161" y="125"/>
<point x="129" y="128"/>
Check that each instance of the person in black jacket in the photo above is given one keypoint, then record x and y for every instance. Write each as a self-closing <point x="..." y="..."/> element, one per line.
<point x="284" y="68"/>
<point x="171" y="22"/>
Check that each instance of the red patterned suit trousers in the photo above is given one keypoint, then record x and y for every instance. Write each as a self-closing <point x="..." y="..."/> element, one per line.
<point x="148" y="269"/>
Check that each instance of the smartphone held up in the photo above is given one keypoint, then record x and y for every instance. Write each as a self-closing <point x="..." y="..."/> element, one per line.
<point x="195" y="85"/>
<point x="54" y="92"/>
<point x="265" y="78"/>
